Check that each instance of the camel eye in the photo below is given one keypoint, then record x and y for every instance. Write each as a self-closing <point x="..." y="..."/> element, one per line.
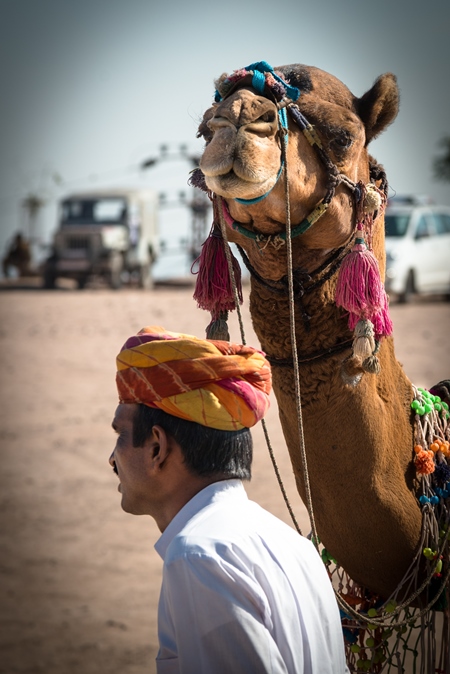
<point x="341" y="141"/>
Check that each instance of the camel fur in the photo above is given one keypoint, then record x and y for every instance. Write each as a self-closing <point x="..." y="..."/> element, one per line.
<point x="358" y="426"/>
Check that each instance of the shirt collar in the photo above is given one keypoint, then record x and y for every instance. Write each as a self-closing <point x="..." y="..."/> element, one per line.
<point x="213" y="492"/>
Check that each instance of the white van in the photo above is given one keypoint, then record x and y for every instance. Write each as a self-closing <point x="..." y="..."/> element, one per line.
<point x="417" y="249"/>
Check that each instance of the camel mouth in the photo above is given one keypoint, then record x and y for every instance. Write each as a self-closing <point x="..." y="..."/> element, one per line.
<point x="233" y="186"/>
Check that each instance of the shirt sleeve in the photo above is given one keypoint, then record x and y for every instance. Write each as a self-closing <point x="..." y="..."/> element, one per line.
<point x="214" y="618"/>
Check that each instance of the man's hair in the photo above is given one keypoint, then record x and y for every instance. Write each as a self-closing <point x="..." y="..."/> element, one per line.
<point x="206" y="451"/>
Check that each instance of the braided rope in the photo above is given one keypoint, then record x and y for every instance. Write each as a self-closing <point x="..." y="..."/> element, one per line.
<point x="298" y="404"/>
<point x="223" y="227"/>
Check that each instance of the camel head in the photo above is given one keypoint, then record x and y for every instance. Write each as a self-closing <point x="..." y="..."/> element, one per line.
<point x="242" y="161"/>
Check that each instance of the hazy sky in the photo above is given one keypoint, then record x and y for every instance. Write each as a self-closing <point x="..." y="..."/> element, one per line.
<point x="90" y="88"/>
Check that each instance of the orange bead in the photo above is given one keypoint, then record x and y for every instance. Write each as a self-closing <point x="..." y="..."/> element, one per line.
<point x="418" y="448"/>
<point x="434" y="447"/>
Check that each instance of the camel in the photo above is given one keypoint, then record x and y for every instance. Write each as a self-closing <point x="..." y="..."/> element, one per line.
<point x="358" y="422"/>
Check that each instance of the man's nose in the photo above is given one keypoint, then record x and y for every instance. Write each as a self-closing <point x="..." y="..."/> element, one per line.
<point x="112" y="463"/>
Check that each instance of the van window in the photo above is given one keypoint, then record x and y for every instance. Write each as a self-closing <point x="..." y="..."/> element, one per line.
<point x="423" y="229"/>
<point x="441" y="222"/>
<point x="396" y="224"/>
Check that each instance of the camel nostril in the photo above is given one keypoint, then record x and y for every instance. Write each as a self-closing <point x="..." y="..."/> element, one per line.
<point x="268" y="117"/>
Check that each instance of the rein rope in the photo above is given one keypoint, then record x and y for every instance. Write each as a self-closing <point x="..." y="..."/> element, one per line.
<point x="298" y="404"/>
<point x="223" y="227"/>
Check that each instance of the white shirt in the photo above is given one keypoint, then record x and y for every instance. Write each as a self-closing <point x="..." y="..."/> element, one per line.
<point x="243" y="593"/>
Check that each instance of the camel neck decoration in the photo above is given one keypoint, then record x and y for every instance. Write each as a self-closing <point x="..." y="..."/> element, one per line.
<point x="377" y="465"/>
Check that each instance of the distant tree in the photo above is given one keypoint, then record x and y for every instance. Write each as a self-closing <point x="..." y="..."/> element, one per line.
<point x="441" y="165"/>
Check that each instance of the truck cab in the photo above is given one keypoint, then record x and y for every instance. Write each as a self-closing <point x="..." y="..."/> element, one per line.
<point x="107" y="233"/>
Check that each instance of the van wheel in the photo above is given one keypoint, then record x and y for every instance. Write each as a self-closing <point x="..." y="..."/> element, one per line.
<point x="410" y="289"/>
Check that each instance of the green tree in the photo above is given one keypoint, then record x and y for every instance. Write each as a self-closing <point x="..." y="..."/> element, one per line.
<point x="441" y="165"/>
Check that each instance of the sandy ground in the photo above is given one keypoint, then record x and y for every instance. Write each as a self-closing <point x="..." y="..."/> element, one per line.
<point x="80" y="578"/>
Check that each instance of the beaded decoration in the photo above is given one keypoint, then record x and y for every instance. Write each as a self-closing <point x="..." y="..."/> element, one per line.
<point x="380" y="633"/>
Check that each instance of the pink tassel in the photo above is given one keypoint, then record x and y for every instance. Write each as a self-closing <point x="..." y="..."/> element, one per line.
<point x="382" y="323"/>
<point x="359" y="288"/>
<point x="213" y="288"/>
<point x="360" y="291"/>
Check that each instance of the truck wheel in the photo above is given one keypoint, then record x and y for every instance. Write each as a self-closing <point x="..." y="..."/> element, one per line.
<point x="49" y="280"/>
<point x="145" y="277"/>
<point x="115" y="271"/>
<point x="81" y="282"/>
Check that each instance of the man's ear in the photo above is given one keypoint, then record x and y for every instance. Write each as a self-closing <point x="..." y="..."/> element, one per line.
<point x="379" y="106"/>
<point x="159" y="446"/>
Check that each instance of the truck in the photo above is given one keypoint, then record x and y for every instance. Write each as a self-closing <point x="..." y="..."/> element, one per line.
<point x="108" y="233"/>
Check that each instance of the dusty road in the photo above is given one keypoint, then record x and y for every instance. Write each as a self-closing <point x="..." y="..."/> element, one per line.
<point x="80" y="578"/>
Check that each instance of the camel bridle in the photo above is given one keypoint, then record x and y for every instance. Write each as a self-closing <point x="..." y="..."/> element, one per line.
<point x="269" y="84"/>
<point x="284" y="105"/>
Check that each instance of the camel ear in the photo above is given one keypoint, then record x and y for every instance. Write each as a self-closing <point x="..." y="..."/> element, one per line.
<point x="379" y="106"/>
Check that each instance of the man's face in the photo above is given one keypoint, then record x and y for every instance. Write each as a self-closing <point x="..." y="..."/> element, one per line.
<point x="132" y="464"/>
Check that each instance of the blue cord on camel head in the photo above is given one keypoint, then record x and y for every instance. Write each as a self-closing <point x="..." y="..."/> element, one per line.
<point x="263" y="75"/>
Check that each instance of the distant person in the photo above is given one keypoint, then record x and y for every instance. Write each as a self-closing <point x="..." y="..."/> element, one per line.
<point x="18" y="256"/>
<point x="242" y="592"/>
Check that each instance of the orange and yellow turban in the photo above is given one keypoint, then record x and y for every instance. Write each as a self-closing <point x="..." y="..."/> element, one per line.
<point x="215" y="383"/>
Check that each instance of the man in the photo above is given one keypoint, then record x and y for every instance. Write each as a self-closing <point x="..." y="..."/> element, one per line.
<point x="18" y="256"/>
<point x="242" y="592"/>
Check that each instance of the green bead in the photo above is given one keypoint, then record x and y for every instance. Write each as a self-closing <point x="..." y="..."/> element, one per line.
<point x="445" y="406"/>
<point x="372" y="612"/>
<point x="421" y="410"/>
<point x="355" y="648"/>
<point x="370" y="642"/>
<point x="415" y="404"/>
<point x="428" y="408"/>
<point x="391" y="606"/>
<point x="437" y="407"/>
<point x="437" y="399"/>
